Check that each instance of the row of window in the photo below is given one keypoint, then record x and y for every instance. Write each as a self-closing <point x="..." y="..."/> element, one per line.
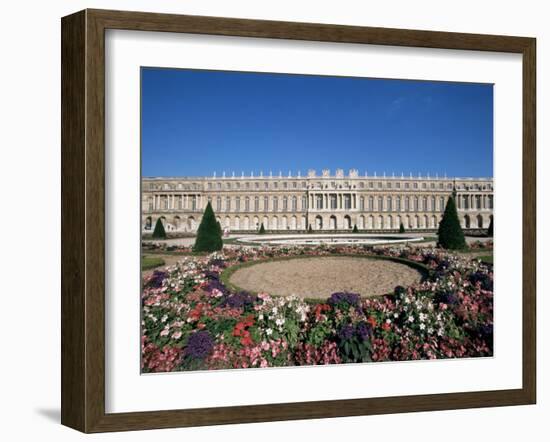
<point x="390" y="203"/>
<point x="320" y="185"/>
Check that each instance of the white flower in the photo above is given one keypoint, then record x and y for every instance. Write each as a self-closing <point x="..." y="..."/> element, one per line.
<point x="268" y="331"/>
<point x="422" y="326"/>
<point x="280" y="321"/>
<point x="396" y="315"/>
<point x="261" y="317"/>
<point x="388" y="321"/>
<point x="422" y="317"/>
<point x="164" y="318"/>
<point x="411" y="319"/>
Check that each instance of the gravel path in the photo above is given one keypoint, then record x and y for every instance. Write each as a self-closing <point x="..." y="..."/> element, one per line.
<point x="320" y="277"/>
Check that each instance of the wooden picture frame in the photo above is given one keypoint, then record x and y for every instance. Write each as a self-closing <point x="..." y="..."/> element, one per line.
<point x="83" y="220"/>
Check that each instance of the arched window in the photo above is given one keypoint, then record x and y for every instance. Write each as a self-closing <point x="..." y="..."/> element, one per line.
<point x="433" y="204"/>
<point x="285" y="204"/>
<point x="238" y="204"/>
<point x="247" y="206"/>
<point x="304" y="203"/>
<point x="275" y="204"/>
<point x="380" y="203"/>
<point x="371" y="203"/>
<point x="228" y="204"/>
<point x="256" y="204"/>
<point x="218" y="204"/>
<point x="361" y="202"/>
<point x="398" y="204"/>
<point x="389" y="204"/>
<point x="266" y="203"/>
<point x="294" y="205"/>
<point x="407" y="204"/>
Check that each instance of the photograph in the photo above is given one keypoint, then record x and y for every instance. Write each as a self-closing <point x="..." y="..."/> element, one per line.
<point x="293" y="220"/>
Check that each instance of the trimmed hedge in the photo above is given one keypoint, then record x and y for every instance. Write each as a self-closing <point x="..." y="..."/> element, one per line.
<point x="209" y="238"/>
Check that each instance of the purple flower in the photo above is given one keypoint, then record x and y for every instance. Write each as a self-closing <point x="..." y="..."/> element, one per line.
<point x="240" y="300"/>
<point x="346" y="332"/>
<point x="157" y="279"/>
<point x="199" y="345"/>
<point x="484" y="280"/>
<point x="344" y="299"/>
<point x="363" y="330"/>
<point x="215" y="284"/>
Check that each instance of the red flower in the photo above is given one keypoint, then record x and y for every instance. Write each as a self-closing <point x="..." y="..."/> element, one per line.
<point x="372" y="321"/>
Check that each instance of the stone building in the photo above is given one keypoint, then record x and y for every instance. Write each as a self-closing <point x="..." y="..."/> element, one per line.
<point x="327" y="202"/>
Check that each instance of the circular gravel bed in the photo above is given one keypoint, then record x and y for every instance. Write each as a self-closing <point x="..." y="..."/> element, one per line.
<point x="319" y="277"/>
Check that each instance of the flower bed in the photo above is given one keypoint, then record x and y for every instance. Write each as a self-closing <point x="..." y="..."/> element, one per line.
<point x="192" y="321"/>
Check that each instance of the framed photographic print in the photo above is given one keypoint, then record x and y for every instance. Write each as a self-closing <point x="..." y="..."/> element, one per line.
<point x="267" y="220"/>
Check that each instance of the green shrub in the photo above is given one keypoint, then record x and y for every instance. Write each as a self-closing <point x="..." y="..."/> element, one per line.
<point x="450" y="234"/>
<point x="310" y="229"/>
<point x="159" y="232"/>
<point x="355" y="229"/>
<point x="490" y="229"/>
<point x="401" y="228"/>
<point x="209" y="238"/>
<point x="150" y="262"/>
<point x="262" y="229"/>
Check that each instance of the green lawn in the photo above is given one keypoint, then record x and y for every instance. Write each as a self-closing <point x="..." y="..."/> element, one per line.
<point x="486" y="258"/>
<point x="150" y="262"/>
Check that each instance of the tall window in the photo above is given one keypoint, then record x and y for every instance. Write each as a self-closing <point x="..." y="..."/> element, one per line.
<point x="238" y="204"/>
<point x="319" y="201"/>
<point x="218" y="204"/>
<point x="256" y="204"/>
<point x="416" y="203"/>
<point x="362" y="203"/>
<point x="371" y="203"/>
<point x="398" y="204"/>
<point x="266" y="203"/>
<point x="285" y="203"/>
<point x="424" y="203"/>
<point x="490" y="201"/>
<point x="294" y="203"/>
<point x="333" y="201"/>
<point x="407" y="204"/>
<point x="304" y="203"/>
<point x="275" y="203"/>
<point x="228" y="204"/>
<point x="433" y="204"/>
<point x="389" y="204"/>
<point x="380" y="203"/>
<point x="247" y="204"/>
<point x="442" y="204"/>
<point x="347" y="201"/>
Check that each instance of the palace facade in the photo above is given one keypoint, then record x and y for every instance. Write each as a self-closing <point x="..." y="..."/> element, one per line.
<point x="326" y="202"/>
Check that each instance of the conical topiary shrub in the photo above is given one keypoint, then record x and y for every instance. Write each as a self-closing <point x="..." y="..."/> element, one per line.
<point x="490" y="229"/>
<point x="159" y="232"/>
<point x="209" y="238"/>
<point x="310" y="229"/>
<point x="401" y="228"/>
<point x="355" y="229"/>
<point x="262" y="229"/>
<point x="450" y="234"/>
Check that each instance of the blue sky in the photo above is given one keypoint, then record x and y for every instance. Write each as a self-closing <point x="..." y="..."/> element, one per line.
<point x="197" y="122"/>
